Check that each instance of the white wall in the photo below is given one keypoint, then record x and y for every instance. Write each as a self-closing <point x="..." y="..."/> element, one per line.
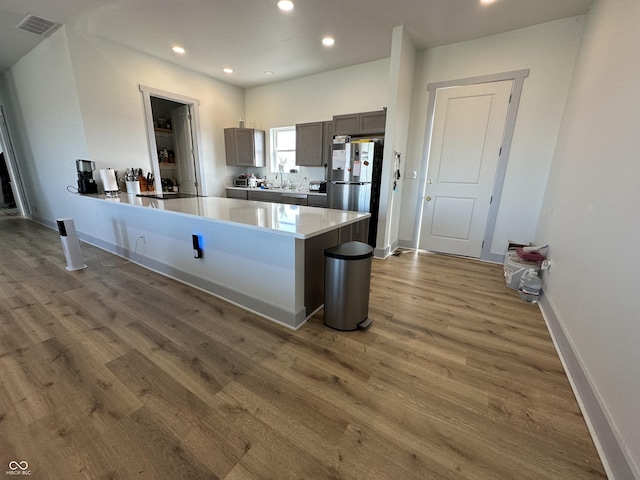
<point x="108" y="77"/>
<point x="77" y="96"/>
<point x="401" y="73"/>
<point x="315" y="98"/>
<point x="590" y="215"/>
<point x="549" y="51"/>
<point x="47" y="129"/>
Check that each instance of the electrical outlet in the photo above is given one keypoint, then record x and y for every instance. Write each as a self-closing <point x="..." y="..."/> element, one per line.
<point x="197" y="249"/>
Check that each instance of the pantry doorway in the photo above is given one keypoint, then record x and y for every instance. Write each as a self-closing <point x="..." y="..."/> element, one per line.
<point x="172" y="128"/>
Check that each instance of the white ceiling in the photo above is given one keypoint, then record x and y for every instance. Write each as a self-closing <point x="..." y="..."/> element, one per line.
<point x="253" y="36"/>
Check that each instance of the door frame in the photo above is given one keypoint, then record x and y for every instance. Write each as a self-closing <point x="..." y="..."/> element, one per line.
<point x="517" y="76"/>
<point x="194" y="104"/>
<point x="19" y="192"/>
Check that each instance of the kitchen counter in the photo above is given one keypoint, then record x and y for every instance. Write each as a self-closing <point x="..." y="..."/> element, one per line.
<point x="292" y="220"/>
<point x="266" y="257"/>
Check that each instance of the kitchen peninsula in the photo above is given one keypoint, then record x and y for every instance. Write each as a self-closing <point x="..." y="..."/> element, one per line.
<point x="266" y="257"/>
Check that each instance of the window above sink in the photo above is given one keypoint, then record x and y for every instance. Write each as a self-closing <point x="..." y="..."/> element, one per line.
<point x="283" y="149"/>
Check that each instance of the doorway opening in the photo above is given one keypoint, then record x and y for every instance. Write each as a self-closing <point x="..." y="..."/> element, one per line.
<point x="8" y="205"/>
<point x="172" y="128"/>
<point x="12" y="195"/>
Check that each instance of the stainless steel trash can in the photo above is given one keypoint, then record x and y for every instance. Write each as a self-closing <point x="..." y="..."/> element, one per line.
<point x="347" y="277"/>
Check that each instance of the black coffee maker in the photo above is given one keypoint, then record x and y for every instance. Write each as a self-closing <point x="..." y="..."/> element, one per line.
<point x="86" y="183"/>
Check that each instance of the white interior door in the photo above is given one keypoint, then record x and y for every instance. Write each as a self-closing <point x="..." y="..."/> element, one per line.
<point x="185" y="158"/>
<point x="468" y="128"/>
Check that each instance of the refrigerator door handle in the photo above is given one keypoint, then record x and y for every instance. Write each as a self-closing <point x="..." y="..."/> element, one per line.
<point x="350" y="183"/>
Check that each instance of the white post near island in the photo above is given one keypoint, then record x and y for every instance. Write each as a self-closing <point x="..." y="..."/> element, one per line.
<point x="265" y="257"/>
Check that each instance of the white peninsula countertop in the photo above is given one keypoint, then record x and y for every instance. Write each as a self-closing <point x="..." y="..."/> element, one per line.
<point x="292" y="220"/>
<point x="266" y="257"/>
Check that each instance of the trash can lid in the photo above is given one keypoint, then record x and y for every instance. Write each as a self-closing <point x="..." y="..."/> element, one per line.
<point x="350" y="251"/>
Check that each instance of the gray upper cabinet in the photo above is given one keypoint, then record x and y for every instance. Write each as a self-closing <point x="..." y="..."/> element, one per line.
<point x="309" y="138"/>
<point x="313" y="143"/>
<point x="372" y="122"/>
<point x="244" y="147"/>
<point x="366" y="123"/>
<point x="346" y="124"/>
<point x="327" y="146"/>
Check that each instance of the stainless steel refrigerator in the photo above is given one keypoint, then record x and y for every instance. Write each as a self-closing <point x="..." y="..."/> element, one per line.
<point x="354" y="178"/>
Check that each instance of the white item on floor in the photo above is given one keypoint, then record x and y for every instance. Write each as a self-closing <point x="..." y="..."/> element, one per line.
<point x="514" y="268"/>
<point x="530" y="286"/>
<point x="70" y="244"/>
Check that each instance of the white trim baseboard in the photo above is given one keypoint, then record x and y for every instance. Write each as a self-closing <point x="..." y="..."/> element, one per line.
<point x="618" y="465"/>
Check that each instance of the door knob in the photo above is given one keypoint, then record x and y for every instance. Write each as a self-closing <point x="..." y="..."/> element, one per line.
<point x="428" y="199"/>
<point x="429" y="181"/>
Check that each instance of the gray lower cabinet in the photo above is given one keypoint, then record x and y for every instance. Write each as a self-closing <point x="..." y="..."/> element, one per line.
<point x="317" y="201"/>
<point x="241" y="194"/>
<point x="264" y="196"/>
<point x="358" y="232"/>
<point x="314" y="260"/>
<point x="294" y="198"/>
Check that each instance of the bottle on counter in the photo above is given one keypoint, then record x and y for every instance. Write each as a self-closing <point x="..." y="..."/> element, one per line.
<point x="530" y="286"/>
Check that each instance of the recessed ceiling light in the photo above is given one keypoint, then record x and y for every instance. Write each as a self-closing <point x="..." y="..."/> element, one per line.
<point x="487" y="2"/>
<point x="178" y="49"/>
<point x="227" y="70"/>
<point x="328" y="41"/>
<point x="268" y="72"/>
<point x="285" y="5"/>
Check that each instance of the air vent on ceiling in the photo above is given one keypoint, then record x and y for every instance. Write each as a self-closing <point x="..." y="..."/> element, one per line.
<point x="37" y="25"/>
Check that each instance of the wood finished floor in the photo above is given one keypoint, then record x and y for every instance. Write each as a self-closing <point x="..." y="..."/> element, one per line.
<point x="115" y="372"/>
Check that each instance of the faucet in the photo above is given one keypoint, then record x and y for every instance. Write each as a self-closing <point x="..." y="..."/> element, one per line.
<point x="281" y="180"/>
